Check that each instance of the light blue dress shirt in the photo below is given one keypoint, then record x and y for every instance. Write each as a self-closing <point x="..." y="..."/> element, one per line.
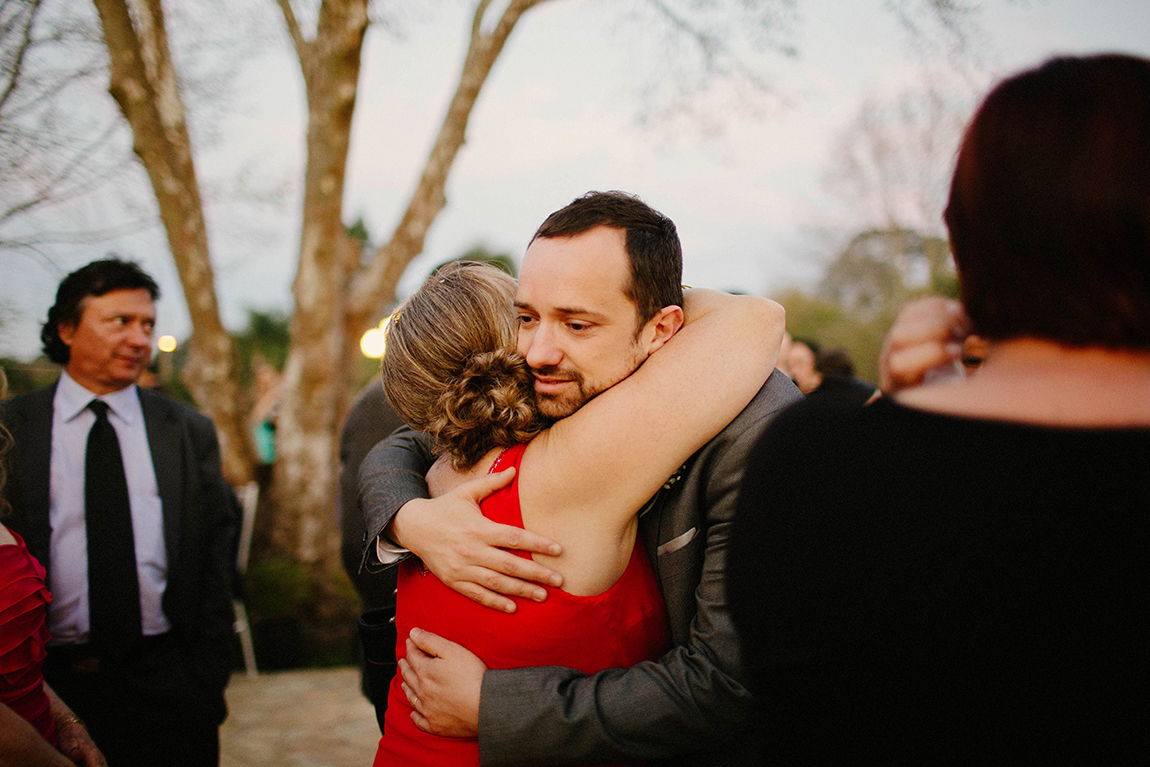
<point x="71" y="421"/>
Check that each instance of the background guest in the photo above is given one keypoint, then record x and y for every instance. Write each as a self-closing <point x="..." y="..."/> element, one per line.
<point x="801" y="364"/>
<point x="834" y="372"/>
<point x="885" y="611"/>
<point x="368" y="422"/>
<point x="117" y="491"/>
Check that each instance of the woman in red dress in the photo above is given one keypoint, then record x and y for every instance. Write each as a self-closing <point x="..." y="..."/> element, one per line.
<point x="36" y="728"/>
<point x="451" y="371"/>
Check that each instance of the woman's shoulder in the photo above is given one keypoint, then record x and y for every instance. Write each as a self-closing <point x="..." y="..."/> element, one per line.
<point x="18" y="567"/>
<point x="443" y="477"/>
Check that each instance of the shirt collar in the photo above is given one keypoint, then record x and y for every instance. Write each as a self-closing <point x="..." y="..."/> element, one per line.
<point x="72" y="399"/>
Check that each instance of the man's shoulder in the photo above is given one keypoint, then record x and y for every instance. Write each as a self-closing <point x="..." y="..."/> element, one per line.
<point x="159" y="405"/>
<point x="775" y="396"/>
<point x="726" y="453"/>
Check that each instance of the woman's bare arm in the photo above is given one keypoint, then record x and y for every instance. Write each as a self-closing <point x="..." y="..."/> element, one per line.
<point x="635" y="434"/>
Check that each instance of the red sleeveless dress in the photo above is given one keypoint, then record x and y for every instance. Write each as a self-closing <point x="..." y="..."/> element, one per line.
<point x="622" y="626"/>
<point x="23" y="608"/>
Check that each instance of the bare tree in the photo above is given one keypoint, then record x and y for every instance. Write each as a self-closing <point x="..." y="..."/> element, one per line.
<point x="51" y="152"/>
<point x="337" y="295"/>
<point x="144" y="84"/>
<point x="892" y="163"/>
<point x="335" y="300"/>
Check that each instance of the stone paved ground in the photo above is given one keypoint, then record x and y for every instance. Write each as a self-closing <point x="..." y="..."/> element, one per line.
<point x="312" y="718"/>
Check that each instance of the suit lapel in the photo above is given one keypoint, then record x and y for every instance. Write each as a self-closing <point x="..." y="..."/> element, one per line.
<point x="164" y="443"/>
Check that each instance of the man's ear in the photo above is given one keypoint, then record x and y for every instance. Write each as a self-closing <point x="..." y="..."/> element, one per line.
<point x="661" y="327"/>
<point x="67" y="331"/>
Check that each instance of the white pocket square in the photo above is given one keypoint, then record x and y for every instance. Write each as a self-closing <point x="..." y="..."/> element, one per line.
<point x="678" y="542"/>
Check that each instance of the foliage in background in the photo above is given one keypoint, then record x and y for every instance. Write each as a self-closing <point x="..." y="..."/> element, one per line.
<point x="480" y="252"/>
<point x="266" y="338"/>
<point x="864" y="288"/>
<point x="28" y="376"/>
<point x="890" y="169"/>
<point x="281" y="597"/>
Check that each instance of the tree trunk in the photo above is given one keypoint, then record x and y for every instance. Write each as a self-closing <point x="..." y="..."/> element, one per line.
<point x="144" y="85"/>
<point x="315" y="379"/>
<point x="334" y="304"/>
<point x="376" y="285"/>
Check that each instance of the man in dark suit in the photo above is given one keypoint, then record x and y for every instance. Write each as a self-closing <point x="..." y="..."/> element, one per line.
<point x="118" y="492"/>
<point x="691" y="703"/>
<point x="369" y="420"/>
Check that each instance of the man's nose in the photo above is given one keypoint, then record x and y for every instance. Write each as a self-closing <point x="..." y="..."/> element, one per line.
<point x="139" y="335"/>
<point x="542" y="351"/>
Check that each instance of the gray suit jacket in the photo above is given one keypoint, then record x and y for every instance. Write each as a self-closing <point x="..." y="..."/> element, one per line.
<point x="678" y="706"/>
<point x="199" y="523"/>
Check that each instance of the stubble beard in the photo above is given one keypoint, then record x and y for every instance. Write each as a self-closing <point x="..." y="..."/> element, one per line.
<point x="556" y="407"/>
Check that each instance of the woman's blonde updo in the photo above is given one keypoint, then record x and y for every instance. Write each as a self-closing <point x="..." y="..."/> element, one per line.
<point x="450" y="368"/>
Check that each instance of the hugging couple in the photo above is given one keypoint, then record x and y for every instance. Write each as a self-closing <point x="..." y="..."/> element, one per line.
<point x="592" y="406"/>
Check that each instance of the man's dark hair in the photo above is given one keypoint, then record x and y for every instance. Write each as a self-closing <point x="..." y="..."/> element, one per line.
<point x="652" y="245"/>
<point x="1049" y="210"/>
<point x="94" y="279"/>
<point x="834" y="363"/>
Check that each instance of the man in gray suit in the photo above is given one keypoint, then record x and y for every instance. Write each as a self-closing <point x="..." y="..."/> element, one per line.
<point x="683" y="706"/>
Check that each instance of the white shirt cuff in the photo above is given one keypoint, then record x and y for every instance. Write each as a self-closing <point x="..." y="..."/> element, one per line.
<point x="388" y="552"/>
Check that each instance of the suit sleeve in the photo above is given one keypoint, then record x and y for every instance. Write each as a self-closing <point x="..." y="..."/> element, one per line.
<point x="689" y="699"/>
<point x="392" y="474"/>
<point x="220" y="528"/>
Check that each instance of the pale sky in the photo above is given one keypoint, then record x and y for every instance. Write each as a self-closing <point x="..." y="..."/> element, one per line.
<point x="558" y="117"/>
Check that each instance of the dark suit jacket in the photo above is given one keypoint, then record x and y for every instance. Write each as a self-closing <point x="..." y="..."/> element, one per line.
<point x="199" y="524"/>
<point x="369" y="420"/>
<point x="680" y="706"/>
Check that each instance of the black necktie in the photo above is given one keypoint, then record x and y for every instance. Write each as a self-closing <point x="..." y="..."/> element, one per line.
<point x="113" y="588"/>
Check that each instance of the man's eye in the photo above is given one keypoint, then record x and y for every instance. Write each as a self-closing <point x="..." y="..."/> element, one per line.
<point x="578" y="326"/>
<point x="525" y="320"/>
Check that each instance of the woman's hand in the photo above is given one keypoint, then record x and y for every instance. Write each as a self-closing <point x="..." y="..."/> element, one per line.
<point x="442" y="681"/>
<point x="72" y="738"/>
<point x="926" y="336"/>
<point x="74" y="742"/>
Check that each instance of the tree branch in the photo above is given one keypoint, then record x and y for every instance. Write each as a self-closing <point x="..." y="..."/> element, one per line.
<point x="301" y="45"/>
<point x="21" y="52"/>
<point x="477" y="18"/>
<point x="368" y="288"/>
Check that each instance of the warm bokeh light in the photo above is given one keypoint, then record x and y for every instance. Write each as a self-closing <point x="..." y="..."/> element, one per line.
<point x="166" y="343"/>
<point x="372" y="344"/>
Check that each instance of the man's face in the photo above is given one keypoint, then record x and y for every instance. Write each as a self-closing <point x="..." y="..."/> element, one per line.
<point x="576" y="326"/>
<point x="111" y="344"/>
<point x="801" y="364"/>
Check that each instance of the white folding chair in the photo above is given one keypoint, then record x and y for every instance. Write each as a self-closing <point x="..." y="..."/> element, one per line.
<point x="249" y="494"/>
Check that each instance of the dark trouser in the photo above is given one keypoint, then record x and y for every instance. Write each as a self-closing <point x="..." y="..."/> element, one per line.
<point x="146" y="712"/>
<point x="378" y="638"/>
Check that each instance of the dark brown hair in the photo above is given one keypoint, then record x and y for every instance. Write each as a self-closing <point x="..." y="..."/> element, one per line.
<point x="1049" y="210"/>
<point x="94" y="279"/>
<point x="652" y="245"/>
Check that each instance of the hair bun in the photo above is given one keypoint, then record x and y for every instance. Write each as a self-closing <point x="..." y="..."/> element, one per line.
<point x="495" y="391"/>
